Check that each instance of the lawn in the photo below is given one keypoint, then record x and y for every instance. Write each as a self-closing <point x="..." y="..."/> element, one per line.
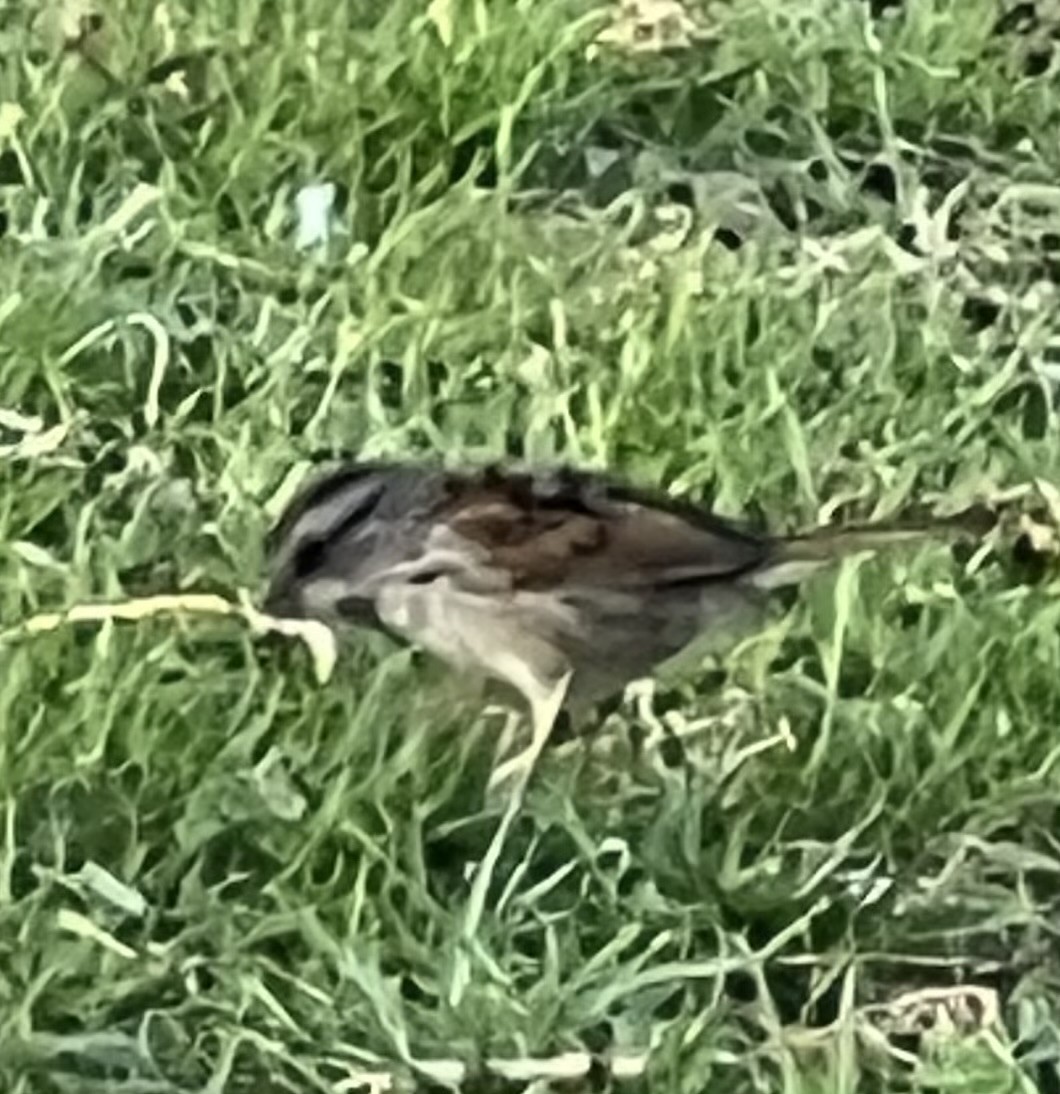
<point x="797" y="259"/>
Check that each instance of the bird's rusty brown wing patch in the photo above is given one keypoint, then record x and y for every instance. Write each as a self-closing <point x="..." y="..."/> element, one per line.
<point x="538" y="547"/>
<point x="549" y="540"/>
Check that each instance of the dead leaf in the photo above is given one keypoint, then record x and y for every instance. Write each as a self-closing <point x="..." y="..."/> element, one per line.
<point x="959" y="1010"/>
<point x="649" y="26"/>
<point x="1042" y="539"/>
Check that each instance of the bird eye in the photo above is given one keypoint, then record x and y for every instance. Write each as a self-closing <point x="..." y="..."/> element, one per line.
<point x="309" y="558"/>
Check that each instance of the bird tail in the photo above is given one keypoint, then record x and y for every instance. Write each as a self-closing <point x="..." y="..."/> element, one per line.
<point x="797" y="557"/>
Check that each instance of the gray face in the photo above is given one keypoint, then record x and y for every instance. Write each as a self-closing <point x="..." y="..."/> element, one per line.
<point x="327" y="545"/>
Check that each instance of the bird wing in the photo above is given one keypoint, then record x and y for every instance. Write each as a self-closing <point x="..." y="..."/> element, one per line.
<point x="578" y="530"/>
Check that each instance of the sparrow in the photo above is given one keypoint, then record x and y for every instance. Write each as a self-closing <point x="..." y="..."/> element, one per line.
<point x="563" y="585"/>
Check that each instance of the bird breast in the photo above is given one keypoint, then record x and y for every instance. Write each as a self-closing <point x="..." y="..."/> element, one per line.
<point x="513" y="636"/>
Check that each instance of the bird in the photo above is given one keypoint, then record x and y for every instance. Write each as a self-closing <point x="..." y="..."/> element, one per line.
<point x="563" y="584"/>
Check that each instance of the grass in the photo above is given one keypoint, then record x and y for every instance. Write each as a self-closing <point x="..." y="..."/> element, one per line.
<point x="805" y="266"/>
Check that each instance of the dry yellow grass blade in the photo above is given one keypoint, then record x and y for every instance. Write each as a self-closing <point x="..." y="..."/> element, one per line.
<point x="319" y="638"/>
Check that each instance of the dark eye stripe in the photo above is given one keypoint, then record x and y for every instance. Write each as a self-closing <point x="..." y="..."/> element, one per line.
<point x="319" y="491"/>
<point x="311" y="555"/>
<point x="364" y="508"/>
<point x="426" y="577"/>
